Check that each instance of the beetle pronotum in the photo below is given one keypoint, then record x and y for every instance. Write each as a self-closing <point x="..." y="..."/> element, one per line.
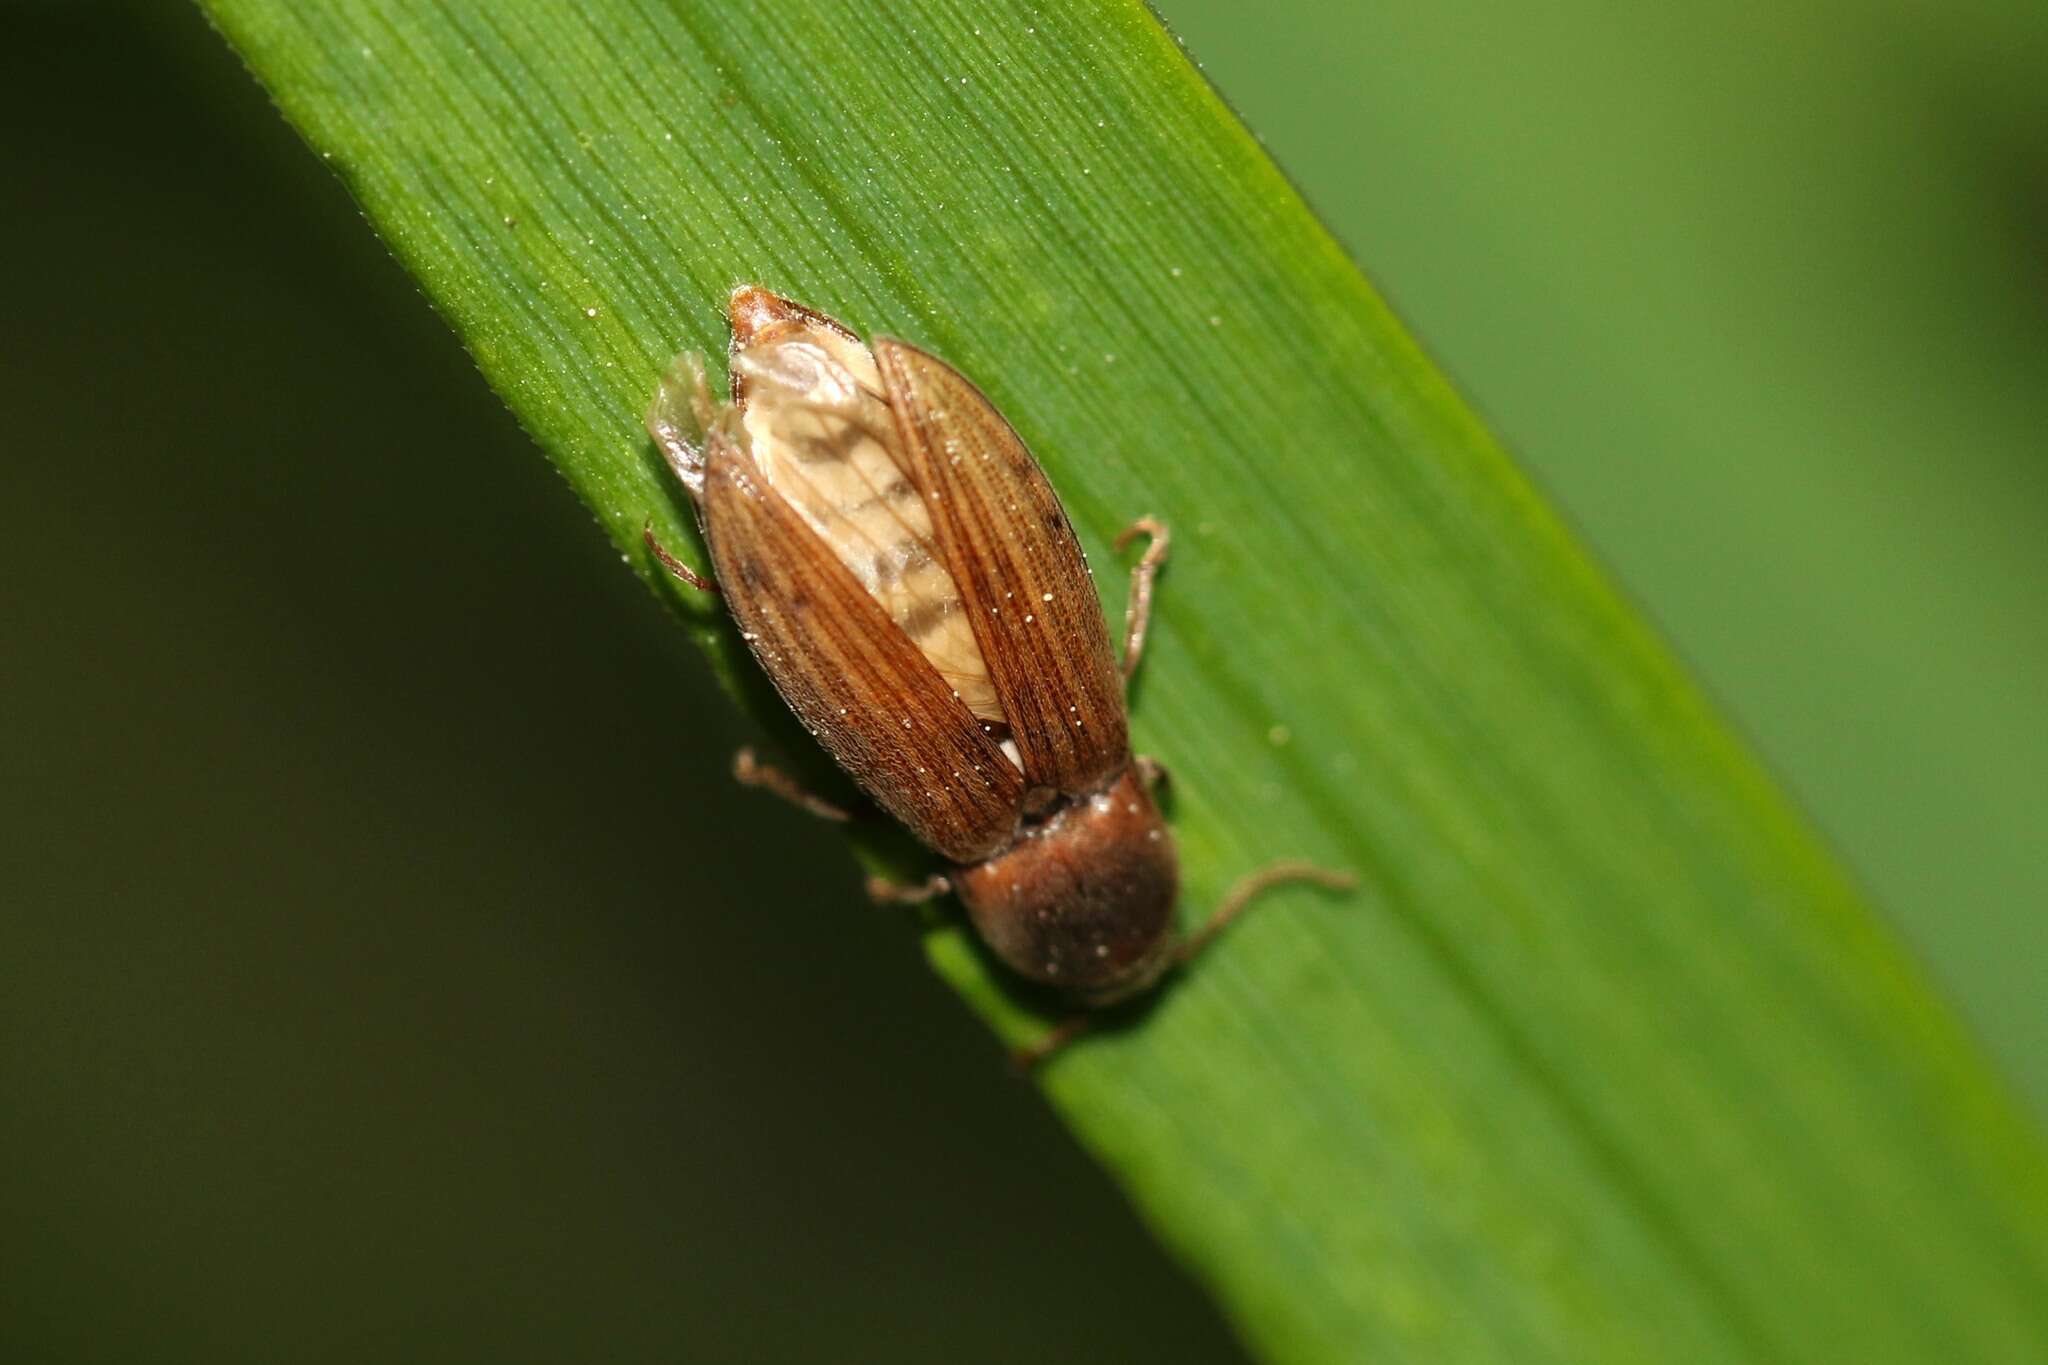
<point x="903" y="571"/>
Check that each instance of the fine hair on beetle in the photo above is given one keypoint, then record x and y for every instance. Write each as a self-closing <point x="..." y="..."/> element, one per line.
<point x="903" y="572"/>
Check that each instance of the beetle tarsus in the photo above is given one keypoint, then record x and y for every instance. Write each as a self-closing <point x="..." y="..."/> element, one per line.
<point x="1240" y="897"/>
<point x="882" y="891"/>
<point x="750" y="771"/>
<point x="1138" y="615"/>
<point x="677" y="569"/>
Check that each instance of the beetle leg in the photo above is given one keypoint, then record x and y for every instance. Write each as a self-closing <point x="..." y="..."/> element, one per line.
<point x="749" y="771"/>
<point x="1239" y="898"/>
<point x="1138" y="614"/>
<point x="885" y="892"/>
<point x="1152" y="772"/>
<point x="1032" y="1055"/>
<point x="675" y="566"/>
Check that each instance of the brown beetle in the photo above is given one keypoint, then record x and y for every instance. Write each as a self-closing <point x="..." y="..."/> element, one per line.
<point x="901" y="568"/>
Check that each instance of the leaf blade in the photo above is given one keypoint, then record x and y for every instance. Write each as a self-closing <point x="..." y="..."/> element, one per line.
<point x="1608" y="1053"/>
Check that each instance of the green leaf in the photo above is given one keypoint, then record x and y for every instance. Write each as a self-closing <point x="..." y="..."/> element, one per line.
<point x="1606" y="1059"/>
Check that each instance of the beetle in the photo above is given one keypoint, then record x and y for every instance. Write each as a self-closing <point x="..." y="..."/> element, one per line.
<point x="905" y="575"/>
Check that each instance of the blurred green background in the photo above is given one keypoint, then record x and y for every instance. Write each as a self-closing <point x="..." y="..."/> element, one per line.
<point x="384" y="968"/>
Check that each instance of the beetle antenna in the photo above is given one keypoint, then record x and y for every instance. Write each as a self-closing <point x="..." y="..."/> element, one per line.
<point x="1240" y="897"/>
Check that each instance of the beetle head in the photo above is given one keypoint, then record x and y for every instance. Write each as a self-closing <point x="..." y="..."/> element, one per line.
<point x="1084" y="901"/>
